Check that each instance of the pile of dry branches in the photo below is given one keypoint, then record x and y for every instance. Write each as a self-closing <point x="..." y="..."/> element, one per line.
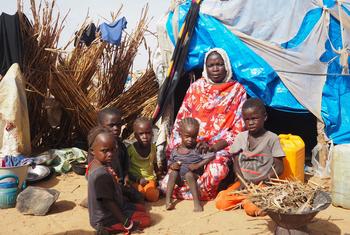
<point x="82" y="81"/>
<point x="292" y="197"/>
<point x="42" y="32"/>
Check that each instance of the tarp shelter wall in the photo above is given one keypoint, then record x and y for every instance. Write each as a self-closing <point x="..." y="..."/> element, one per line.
<point x="292" y="54"/>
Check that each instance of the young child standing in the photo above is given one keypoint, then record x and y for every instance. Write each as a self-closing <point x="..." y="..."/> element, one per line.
<point x="258" y="155"/>
<point x="142" y="155"/>
<point x="107" y="208"/>
<point x="186" y="163"/>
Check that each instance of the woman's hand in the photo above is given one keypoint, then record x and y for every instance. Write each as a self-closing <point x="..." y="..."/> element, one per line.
<point x="220" y="145"/>
<point x="202" y="147"/>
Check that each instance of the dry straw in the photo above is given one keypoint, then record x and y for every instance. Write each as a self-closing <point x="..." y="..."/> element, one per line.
<point x="83" y="81"/>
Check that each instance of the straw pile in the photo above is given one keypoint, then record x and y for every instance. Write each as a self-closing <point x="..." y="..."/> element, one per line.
<point x="117" y="63"/>
<point x="83" y="81"/>
<point x="37" y="65"/>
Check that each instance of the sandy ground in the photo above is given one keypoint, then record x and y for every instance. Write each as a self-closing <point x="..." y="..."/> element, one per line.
<point x="67" y="217"/>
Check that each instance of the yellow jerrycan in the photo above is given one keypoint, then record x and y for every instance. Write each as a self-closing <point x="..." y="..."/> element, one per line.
<point x="293" y="163"/>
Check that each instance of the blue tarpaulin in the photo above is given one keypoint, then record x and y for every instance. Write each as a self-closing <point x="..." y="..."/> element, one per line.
<point x="261" y="79"/>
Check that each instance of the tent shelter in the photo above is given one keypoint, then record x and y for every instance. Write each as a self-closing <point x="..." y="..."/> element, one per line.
<point x="292" y="54"/>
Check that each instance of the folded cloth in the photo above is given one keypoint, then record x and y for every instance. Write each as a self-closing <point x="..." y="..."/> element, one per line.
<point x="112" y="33"/>
<point x="19" y="160"/>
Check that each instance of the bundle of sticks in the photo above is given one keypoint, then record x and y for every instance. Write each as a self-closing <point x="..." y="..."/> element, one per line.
<point x="292" y="197"/>
<point x="282" y="196"/>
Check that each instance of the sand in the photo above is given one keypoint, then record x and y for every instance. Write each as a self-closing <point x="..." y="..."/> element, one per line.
<point x="67" y="217"/>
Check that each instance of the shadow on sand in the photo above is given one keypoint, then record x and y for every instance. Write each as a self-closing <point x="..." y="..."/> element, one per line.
<point x="316" y="227"/>
<point x="76" y="232"/>
<point x="61" y="206"/>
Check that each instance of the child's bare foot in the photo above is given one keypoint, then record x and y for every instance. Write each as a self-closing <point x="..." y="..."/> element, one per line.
<point x="169" y="206"/>
<point x="197" y="207"/>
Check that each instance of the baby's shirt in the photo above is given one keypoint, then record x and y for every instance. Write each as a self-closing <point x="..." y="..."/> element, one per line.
<point x="256" y="158"/>
<point x="141" y="167"/>
<point x="186" y="159"/>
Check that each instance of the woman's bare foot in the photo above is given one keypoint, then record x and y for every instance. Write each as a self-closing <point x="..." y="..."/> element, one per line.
<point x="197" y="207"/>
<point x="169" y="206"/>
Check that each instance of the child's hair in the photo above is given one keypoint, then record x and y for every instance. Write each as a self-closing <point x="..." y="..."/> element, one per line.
<point x="111" y="111"/>
<point x="187" y="122"/>
<point x="94" y="132"/>
<point x="141" y="120"/>
<point x="254" y="103"/>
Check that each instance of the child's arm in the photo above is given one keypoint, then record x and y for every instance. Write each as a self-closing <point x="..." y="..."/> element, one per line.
<point x="172" y="163"/>
<point x="278" y="168"/>
<point x="118" y="214"/>
<point x="114" y="208"/>
<point x="157" y="170"/>
<point x="134" y="178"/>
<point x="278" y="165"/>
<point x="196" y="166"/>
<point x="237" y="170"/>
<point x="175" y="166"/>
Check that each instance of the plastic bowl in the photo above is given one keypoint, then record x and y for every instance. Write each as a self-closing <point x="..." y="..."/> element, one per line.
<point x="20" y="171"/>
<point x="79" y="168"/>
<point x="45" y="158"/>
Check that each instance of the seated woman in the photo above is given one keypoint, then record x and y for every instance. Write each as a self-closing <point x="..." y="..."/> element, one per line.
<point x="215" y="101"/>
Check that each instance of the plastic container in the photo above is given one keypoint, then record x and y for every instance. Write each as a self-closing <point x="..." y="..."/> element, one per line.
<point x="340" y="175"/>
<point x="20" y="171"/>
<point x="293" y="163"/>
<point x="8" y="191"/>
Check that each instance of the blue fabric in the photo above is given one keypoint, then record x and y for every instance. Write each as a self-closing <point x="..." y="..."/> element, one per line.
<point x="257" y="76"/>
<point x="260" y="79"/>
<point x="334" y="33"/>
<point x="329" y="3"/>
<point x="335" y="107"/>
<point x="346" y="9"/>
<point x="19" y="160"/>
<point x="112" y="33"/>
<point x="310" y="20"/>
<point x="170" y="28"/>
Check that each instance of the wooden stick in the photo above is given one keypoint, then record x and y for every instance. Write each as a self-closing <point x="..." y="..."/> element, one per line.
<point x="314" y="183"/>
<point x="274" y="171"/>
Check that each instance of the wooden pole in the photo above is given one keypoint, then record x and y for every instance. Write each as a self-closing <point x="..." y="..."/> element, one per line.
<point x="321" y="139"/>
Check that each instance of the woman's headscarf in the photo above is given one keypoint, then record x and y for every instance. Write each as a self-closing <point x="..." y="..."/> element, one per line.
<point x="226" y="61"/>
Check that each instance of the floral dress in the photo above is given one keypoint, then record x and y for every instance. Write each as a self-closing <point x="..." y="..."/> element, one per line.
<point x="217" y="107"/>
